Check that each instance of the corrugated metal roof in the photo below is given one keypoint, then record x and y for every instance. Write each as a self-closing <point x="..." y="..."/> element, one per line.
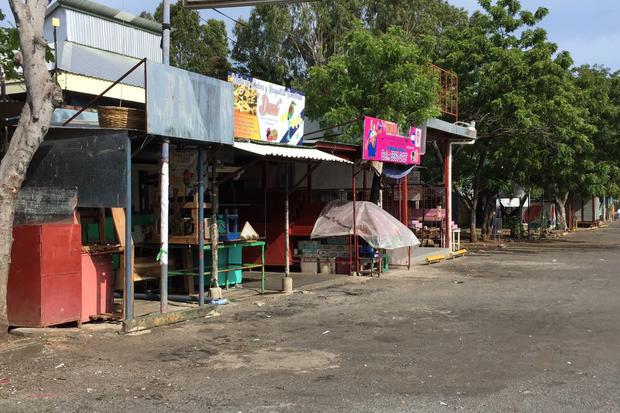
<point x="100" y="64"/>
<point x="282" y="151"/>
<point x="114" y="36"/>
<point x="101" y="10"/>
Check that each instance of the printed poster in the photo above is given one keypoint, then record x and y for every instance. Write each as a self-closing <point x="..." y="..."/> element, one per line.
<point x="267" y="112"/>
<point x="383" y="143"/>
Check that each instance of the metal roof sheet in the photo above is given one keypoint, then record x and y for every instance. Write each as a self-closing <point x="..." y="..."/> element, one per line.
<point x="282" y="151"/>
<point x="454" y="131"/>
<point x="100" y="64"/>
<point x="104" y="11"/>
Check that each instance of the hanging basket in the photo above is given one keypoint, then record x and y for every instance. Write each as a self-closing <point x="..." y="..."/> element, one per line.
<point x="118" y="117"/>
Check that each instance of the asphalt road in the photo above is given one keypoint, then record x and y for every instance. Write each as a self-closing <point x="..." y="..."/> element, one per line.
<point x="532" y="327"/>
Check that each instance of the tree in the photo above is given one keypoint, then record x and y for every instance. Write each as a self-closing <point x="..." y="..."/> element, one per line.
<point x="197" y="47"/>
<point x="498" y="57"/>
<point x="41" y="93"/>
<point x="599" y="94"/>
<point x="419" y="20"/>
<point x="280" y="43"/>
<point x="378" y="75"/>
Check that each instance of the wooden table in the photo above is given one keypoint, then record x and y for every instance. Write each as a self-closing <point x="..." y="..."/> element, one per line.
<point x="193" y="272"/>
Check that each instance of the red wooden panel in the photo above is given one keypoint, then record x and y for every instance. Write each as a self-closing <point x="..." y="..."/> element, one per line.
<point x="97" y="279"/>
<point x="62" y="298"/>
<point x="24" y="288"/>
<point x="62" y="249"/>
<point x="45" y="279"/>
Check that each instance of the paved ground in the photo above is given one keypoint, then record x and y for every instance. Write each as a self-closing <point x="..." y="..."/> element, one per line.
<point x="533" y="327"/>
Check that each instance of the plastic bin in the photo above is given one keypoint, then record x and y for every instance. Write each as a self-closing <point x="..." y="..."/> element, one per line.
<point x="343" y="266"/>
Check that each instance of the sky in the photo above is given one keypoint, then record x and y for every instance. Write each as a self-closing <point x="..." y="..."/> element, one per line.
<point x="589" y="30"/>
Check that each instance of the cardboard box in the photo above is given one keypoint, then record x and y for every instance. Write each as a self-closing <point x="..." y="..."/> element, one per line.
<point x="309" y="265"/>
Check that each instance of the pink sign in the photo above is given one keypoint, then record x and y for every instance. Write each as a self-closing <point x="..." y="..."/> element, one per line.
<point x="383" y="143"/>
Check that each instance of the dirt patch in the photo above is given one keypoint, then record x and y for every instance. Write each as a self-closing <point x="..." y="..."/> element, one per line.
<point x="276" y="359"/>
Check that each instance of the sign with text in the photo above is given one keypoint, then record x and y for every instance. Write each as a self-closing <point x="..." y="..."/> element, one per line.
<point x="267" y="112"/>
<point x="383" y="143"/>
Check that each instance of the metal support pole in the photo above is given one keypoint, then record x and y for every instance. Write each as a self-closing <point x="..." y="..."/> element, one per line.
<point x="265" y="199"/>
<point x="448" y="186"/>
<point x="287" y="269"/>
<point x="201" y="228"/>
<point x="163" y="230"/>
<point x="214" y="217"/>
<point x="406" y="201"/>
<point x="400" y="197"/>
<point x="355" y="245"/>
<point x="55" y="54"/>
<point x="365" y="187"/>
<point x="529" y="209"/>
<point x="128" y="291"/>
<point x="165" y="44"/>
<point x="309" y="182"/>
<point x="542" y="214"/>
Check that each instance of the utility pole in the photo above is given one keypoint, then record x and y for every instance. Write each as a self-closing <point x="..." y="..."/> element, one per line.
<point x="165" y="177"/>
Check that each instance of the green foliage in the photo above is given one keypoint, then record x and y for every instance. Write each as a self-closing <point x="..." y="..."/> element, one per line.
<point x="378" y="75"/>
<point x="9" y="42"/>
<point x="599" y="95"/>
<point x="194" y="46"/>
<point x="279" y="43"/>
<point x="533" y="129"/>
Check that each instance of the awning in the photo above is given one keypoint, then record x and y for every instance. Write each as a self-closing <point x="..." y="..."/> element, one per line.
<point x="459" y="132"/>
<point x="287" y="151"/>
<point x="375" y="225"/>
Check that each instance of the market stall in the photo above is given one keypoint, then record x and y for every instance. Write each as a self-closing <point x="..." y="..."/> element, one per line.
<point x="380" y="230"/>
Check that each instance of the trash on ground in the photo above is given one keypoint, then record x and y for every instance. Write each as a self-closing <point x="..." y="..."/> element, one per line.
<point x="212" y="313"/>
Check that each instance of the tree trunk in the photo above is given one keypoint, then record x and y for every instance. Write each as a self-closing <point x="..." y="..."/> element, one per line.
<point x="33" y="124"/>
<point x="487" y="215"/>
<point x="473" y="237"/>
<point x="560" y="202"/>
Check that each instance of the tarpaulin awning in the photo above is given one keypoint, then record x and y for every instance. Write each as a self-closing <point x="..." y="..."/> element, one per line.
<point x="375" y="225"/>
<point x="290" y="151"/>
<point x="397" y="171"/>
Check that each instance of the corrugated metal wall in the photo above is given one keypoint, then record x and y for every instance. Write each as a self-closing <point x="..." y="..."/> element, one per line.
<point x="107" y="35"/>
<point x="187" y="105"/>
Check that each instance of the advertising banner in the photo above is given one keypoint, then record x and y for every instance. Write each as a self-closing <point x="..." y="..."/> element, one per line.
<point x="267" y="112"/>
<point x="383" y="143"/>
